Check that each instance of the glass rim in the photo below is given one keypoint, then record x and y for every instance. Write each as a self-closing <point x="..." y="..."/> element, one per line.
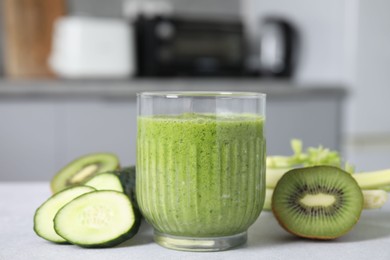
<point x="216" y="94"/>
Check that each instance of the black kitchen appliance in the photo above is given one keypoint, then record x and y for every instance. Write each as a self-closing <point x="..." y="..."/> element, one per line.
<point x="278" y="51"/>
<point x="187" y="46"/>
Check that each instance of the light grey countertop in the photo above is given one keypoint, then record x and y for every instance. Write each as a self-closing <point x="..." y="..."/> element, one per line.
<point x="370" y="239"/>
<point x="129" y="88"/>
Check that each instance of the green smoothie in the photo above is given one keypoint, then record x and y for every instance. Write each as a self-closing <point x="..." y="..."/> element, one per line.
<point x="200" y="175"/>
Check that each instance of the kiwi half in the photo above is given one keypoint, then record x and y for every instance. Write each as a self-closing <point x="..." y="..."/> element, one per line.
<point x="82" y="169"/>
<point x="320" y="202"/>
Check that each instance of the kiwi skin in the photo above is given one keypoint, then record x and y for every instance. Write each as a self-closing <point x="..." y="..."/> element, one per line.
<point x="317" y="172"/>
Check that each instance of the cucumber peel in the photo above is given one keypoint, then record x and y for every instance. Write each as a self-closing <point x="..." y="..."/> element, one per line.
<point x="127" y="178"/>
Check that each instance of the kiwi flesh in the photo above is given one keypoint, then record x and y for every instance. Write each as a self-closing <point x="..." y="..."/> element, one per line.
<point x="82" y="169"/>
<point x="319" y="202"/>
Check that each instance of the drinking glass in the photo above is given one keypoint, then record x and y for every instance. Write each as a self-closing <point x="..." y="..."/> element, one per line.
<point x="200" y="178"/>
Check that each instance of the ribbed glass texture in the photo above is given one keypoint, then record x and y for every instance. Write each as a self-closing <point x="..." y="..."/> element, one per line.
<point x="200" y="177"/>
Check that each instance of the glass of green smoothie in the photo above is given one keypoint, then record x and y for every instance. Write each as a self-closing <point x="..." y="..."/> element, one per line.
<point x="200" y="178"/>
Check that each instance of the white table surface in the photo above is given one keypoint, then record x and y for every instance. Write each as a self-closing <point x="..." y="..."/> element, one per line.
<point x="370" y="239"/>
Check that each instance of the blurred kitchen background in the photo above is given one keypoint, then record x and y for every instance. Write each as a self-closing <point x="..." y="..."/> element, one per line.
<point x="70" y="71"/>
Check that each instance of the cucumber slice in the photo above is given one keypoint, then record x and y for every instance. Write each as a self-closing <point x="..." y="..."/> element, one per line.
<point x="97" y="219"/>
<point x="44" y="215"/>
<point x="127" y="179"/>
<point x="105" y="181"/>
<point x="83" y="168"/>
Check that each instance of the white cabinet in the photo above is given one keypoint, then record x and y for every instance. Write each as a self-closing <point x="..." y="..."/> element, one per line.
<point x="30" y="142"/>
<point x="41" y="133"/>
<point x="99" y="126"/>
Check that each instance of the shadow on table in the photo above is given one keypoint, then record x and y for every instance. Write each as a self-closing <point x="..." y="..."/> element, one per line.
<point x="267" y="233"/>
<point x="372" y="225"/>
<point x="143" y="237"/>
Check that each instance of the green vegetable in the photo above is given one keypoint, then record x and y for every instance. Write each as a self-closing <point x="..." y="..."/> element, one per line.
<point x="44" y="215"/>
<point x="373" y="180"/>
<point x="273" y="175"/>
<point x="127" y="177"/>
<point x="277" y="166"/>
<point x="312" y="157"/>
<point x="374" y="184"/>
<point x="97" y="219"/>
<point x="106" y="217"/>
<point x="379" y="180"/>
<point x="105" y="181"/>
<point x="374" y="199"/>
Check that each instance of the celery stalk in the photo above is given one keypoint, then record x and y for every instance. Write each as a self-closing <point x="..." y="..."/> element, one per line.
<point x="385" y="188"/>
<point x="268" y="199"/>
<point x="374" y="199"/>
<point x="278" y="161"/>
<point x="277" y="165"/>
<point x="273" y="175"/>
<point x="373" y="180"/>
